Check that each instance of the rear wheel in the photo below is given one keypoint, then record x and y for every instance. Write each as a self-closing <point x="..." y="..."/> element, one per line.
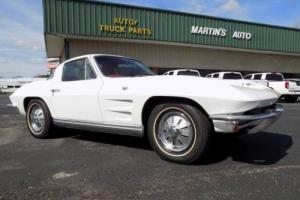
<point x="179" y="132"/>
<point x="38" y="119"/>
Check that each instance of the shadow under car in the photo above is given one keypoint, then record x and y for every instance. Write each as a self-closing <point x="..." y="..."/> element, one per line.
<point x="263" y="148"/>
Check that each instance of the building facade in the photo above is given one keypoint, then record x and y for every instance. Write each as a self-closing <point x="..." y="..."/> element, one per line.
<point x="165" y="39"/>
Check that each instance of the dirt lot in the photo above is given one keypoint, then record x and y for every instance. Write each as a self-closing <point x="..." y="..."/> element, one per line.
<point x="84" y="165"/>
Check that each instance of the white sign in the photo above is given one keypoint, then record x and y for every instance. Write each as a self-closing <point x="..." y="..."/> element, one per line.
<point x="209" y="31"/>
<point x="219" y="32"/>
<point x="242" y="35"/>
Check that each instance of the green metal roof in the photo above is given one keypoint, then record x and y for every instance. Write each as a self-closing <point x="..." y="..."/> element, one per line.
<point x="98" y="19"/>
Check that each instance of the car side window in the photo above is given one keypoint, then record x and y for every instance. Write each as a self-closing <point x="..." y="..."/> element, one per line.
<point x="257" y="77"/>
<point x="171" y="73"/>
<point x="78" y="70"/>
<point x="215" y="75"/>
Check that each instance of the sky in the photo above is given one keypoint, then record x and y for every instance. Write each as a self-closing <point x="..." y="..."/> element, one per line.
<point x="22" y="48"/>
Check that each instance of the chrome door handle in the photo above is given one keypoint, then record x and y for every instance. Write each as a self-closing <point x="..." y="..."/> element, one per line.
<point x="54" y="91"/>
<point x="124" y="87"/>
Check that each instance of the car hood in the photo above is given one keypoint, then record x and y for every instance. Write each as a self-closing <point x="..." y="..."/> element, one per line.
<point x="202" y="86"/>
<point x="216" y="96"/>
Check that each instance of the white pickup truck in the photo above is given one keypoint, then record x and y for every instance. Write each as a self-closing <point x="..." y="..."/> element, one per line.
<point x="226" y="75"/>
<point x="183" y="72"/>
<point x="289" y="89"/>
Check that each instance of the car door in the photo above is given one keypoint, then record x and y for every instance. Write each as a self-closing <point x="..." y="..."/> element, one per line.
<point x="75" y="95"/>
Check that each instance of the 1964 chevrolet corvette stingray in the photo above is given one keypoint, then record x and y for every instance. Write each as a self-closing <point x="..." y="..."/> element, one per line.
<point x="120" y="95"/>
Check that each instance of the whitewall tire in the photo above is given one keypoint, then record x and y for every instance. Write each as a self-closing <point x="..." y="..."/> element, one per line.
<point x="179" y="132"/>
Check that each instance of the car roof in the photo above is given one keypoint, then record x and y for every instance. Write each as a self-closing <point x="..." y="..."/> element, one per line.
<point x="93" y="55"/>
<point x="232" y="72"/>
<point x="292" y="79"/>
<point x="186" y="70"/>
<point x="265" y="73"/>
<point x="224" y="72"/>
<point x="177" y="70"/>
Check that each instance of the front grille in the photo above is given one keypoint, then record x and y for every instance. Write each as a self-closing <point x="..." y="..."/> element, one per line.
<point x="257" y="111"/>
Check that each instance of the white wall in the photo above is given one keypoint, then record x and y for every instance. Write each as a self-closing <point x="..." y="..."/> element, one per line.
<point x="171" y="56"/>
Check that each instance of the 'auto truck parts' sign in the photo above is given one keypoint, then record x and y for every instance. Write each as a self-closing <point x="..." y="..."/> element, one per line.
<point x="221" y="32"/>
<point x="105" y="20"/>
<point x="123" y="25"/>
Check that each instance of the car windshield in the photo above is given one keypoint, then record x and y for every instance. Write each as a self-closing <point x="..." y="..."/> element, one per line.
<point x="121" y="67"/>
<point x="232" y="76"/>
<point x="188" y="73"/>
<point x="274" y="77"/>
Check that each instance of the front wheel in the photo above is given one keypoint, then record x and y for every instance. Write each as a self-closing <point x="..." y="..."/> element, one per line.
<point x="38" y="119"/>
<point x="179" y="132"/>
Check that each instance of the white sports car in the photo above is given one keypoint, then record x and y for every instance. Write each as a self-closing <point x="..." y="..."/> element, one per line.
<point x="120" y="95"/>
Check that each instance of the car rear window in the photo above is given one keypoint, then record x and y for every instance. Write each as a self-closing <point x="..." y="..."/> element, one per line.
<point x="232" y="76"/>
<point x="188" y="73"/>
<point x="274" y="77"/>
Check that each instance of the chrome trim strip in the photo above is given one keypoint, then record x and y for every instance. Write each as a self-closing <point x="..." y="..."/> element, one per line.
<point x="246" y="123"/>
<point x="122" y="112"/>
<point x="278" y="109"/>
<point x="107" y="128"/>
<point x="122" y="100"/>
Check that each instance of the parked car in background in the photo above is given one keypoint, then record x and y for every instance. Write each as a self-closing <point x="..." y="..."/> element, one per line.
<point x="289" y="90"/>
<point x="295" y="80"/>
<point x="226" y="75"/>
<point x="9" y="88"/>
<point x="9" y="85"/>
<point x="120" y="95"/>
<point x="183" y="72"/>
<point x="257" y="79"/>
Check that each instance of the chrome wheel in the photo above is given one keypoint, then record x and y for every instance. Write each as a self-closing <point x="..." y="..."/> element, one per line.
<point x="36" y="119"/>
<point x="175" y="132"/>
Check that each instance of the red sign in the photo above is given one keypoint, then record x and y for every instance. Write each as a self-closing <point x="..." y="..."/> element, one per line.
<point x="53" y="63"/>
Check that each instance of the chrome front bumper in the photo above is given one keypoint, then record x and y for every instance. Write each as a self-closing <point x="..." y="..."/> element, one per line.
<point x="231" y="123"/>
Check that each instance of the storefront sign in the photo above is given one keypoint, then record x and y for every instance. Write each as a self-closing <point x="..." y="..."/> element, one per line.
<point x="242" y="35"/>
<point x="220" y="32"/>
<point x="209" y="31"/>
<point x="125" y="25"/>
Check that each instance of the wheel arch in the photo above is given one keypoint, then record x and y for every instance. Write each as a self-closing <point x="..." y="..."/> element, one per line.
<point x="28" y="99"/>
<point x="156" y="100"/>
